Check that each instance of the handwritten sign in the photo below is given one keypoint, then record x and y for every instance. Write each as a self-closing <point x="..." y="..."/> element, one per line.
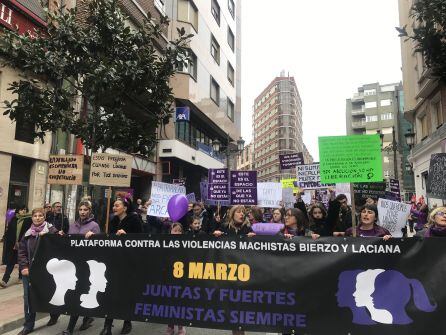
<point x="309" y="178"/>
<point x="111" y="170"/>
<point x="160" y="195"/>
<point x="269" y="195"/>
<point x="65" y="169"/>
<point x="436" y="182"/>
<point x="291" y="161"/>
<point x="243" y="187"/>
<point x="355" y="158"/>
<point x="393" y="216"/>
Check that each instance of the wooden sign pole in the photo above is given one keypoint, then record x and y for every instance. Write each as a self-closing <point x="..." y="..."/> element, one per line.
<point x="107" y="218"/>
<point x="352" y="196"/>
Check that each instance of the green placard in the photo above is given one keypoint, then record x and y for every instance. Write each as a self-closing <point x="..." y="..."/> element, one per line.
<point x="347" y="159"/>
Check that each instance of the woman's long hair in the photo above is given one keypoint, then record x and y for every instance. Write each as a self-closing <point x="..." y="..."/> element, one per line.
<point x="319" y="205"/>
<point x="301" y="220"/>
<point x="232" y="211"/>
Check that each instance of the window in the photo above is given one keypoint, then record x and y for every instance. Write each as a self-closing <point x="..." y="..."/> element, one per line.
<point x="230" y="111"/>
<point x="371" y="118"/>
<point x="160" y="5"/>
<point x="369" y="92"/>
<point x="215" y="10"/>
<point x="388" y="88"/>
<point x="187" y="12"/>
<point x="23" y="131"/>
<point x="190" y="65"/>
<point x="438" y="113"/>
<point x="370" y="104"/>
<point x="215" y="49"/>
<point x="424" y="126"/>
<point x="386" y="116"/>
<point x="231" y="7"/>
<point x="385" y="102"/>
<point x="231" y="39"/>
<point x="215" y="91"/>
<point x="230" y="74"/>
<point x="387" y="130"/>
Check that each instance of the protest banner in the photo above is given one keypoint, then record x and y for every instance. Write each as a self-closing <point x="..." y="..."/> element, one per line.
<point x="288" y="198"/>
<point x="65" y="169"/>
<point x="290" y="183"/>
<point x="393" y="216"/>
<point x="291" y="161"/>
<point x="218" y="184"/>
<point x="436" y="180"/>
<point x="354" y="158"/>
<point x="309" y="178"/>
<point x="160" y="195"/>
<point x="191" y="198"/>
<point x="243" y="187"/>
<point x="364" y="286"/>
<point x="111" y="170"/>
<point x="269" y="195"/>
<point x="363" y="191"/>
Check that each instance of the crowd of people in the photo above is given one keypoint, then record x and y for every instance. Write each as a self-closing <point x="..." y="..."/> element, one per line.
<point x="313" y="221"/>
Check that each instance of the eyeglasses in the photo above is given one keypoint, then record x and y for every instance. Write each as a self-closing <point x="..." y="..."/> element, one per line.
<point x="440" y="213"/>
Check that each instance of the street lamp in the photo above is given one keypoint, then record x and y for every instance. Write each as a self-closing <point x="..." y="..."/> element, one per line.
<point x="217" y="147"/>
<point x="410" y="141"/>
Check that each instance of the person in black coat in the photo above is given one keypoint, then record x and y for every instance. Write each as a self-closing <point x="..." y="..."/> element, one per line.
<point x="238" y="223"/>
<point x="57" y="218"/>
<point x="125" y="221"/>
<point x="19" y="224"/>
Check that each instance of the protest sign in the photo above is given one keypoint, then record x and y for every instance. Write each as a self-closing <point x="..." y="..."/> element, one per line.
<point x="179" y="181"/>
<point x="269" y="195"/>
<point x="309" y="178"/>
<point x="191" y="198"/>
<point x="218" y="184"/>
<point x="436" y="182"/>
<point x="363" y="191"/>
<point x="248" y="284"/>
<point x="344" y="188"/>
<point x="290" y="183"/>
<point x="243" y="188"/>
<point x="111" y="170"/>
<point x="160" y="195"/>
<point x="288" y="198"/>
<point x="204" y="196"/>
<point x="306" y="198"/>
<point x="291" y="161"/>
<point x="394" y="187"/>
<point x="354" y="158"/>
<point x="393" y="216"/>
<point x="65" y="169"/>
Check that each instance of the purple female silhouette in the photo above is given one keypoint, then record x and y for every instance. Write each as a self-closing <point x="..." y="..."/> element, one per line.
<point x="393" y="292"/>
<point x="346" y="288"/>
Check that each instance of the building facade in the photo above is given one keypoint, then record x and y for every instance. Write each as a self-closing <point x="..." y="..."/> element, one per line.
<point x="424" y="107"/>
<point x="376" y="108"/>
<point x="245" y="159"/>
<point x="210" y="86"/>
<point x="277" y="128"/>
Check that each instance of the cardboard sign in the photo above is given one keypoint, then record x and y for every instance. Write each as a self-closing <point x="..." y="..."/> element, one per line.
<point x="436" y="182"/>
<point x="243" y="188"/>
<point x="111" y="170"/>
<point x="309" y="178"/>
<point x="393" y="216"/>
<point x="160" y="195"/>
<point x="355" y="158"/>
<point x="269" y="195"/>
<point x="368" y="190"/>
<point x="65" y="169"/>
<point x="291" y="161"/>
<point x="218" y="185"/>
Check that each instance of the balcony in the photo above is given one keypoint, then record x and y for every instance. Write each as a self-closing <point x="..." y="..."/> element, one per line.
<point x="358" y="111"/>
<point x="358" y="124"/>
<point x="357" y="97"/>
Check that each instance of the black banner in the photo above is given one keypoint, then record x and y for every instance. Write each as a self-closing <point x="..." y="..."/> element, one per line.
<point x="368" y="190"/>
<point x="327" y="286"/>
<point x="436" y="180"/>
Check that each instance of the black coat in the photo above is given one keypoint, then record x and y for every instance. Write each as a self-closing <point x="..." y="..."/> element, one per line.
<point x="131" y="224"/>
<point x="10" y="239"/>
<point x="231" y="231"/>
<point x="59" y="221"/>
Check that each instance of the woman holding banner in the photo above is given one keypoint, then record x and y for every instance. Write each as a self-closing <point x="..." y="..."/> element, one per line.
<point x="27" y="248"/>
<point x="87" y="226"/>
<point x="296" y="223"/>
<point x="437" y="221"/>
<point x="125" y="221"/>
<point x="237" y="224"/>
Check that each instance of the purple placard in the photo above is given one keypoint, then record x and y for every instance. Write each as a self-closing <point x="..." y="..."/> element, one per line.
<point x="204" y="196"/>
<point x="218" y="188"/>
<point x="243" y="188"/>
<point x="291" y="161"/>
<point x="394" y="186"/>
<point x="267" y="228"/>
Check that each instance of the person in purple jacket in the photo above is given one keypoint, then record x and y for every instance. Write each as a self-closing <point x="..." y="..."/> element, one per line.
<point x="87" y="226"/>
<point x="367" y="226"/>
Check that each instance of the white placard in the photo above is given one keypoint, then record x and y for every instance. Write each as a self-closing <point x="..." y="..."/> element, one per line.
<point x="393" y="216"/>
<point x="309" y="177"/>
<point x="344" y="188"/>
<point x="288" y="198"/>
<point x="160" y="196"/>
<point x="269" y="195"/>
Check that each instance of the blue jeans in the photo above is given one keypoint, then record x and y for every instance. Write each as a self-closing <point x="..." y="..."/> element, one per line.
<point x="30" y="317"/>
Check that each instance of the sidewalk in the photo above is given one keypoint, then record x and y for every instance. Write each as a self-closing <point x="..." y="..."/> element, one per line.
<point x="11" y="302"/>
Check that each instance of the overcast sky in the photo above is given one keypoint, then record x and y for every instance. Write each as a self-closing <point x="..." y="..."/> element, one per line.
<point x="330" y="47"/>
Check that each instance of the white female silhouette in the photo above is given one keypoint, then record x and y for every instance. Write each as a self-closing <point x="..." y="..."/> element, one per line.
<point x="98" y="284"/>
<point x="64" y="275"/>
<point x="365" y="286"/>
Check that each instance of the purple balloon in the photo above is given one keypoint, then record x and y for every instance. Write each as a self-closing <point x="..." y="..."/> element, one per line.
<point x="267" y="228"/>
<point x="10" y="213"/>
<point x="177" y="207"/>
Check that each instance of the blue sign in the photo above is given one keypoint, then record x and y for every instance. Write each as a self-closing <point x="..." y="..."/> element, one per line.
<point x="182" y="114"/>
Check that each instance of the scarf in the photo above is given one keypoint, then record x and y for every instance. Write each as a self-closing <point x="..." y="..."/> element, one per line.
<point x="36" y="230"/>
<point x="437" y="231"/>
<point x="20" y="220"/>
